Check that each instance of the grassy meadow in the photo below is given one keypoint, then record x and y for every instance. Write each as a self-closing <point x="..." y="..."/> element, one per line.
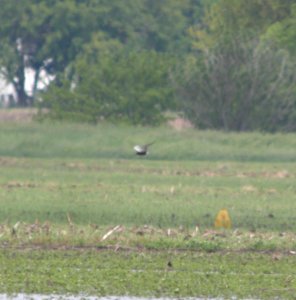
<point x="76" y="197"/>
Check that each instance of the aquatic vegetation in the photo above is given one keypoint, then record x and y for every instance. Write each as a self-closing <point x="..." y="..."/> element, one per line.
<point x="145" y="273"/>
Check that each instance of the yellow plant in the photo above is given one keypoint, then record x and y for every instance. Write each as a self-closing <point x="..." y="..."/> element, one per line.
<point x="223" y="219"/>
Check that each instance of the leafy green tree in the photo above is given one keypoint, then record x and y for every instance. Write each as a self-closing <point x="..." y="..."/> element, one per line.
<point x="122" y="87"/>
<point x="158" y="25"/>
<point x="226" y="19"/>
<point x="165" y="24"/>
<point x="13" y="49"/>
<point x="238" y="79"/>
<point x="242" y="85"/>
<point x="47" y="35"/>
<point x="42" y="35"/>
<point x="283" y="32"/>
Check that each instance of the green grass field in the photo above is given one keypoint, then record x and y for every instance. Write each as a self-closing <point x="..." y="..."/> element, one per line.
<point x="138" y="192"/>
<point x="63" y="187"/>
<point x="107" y="141"/>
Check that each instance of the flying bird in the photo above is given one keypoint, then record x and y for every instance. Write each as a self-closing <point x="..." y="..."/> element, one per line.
<point x="142" y="149"/>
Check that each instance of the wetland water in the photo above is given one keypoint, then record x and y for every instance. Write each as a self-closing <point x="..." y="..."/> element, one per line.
<point x="84" y="297"/>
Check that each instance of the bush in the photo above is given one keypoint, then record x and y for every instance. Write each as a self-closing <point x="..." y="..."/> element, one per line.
<point x="239" y="85"/>
<point x="132" y="88"/>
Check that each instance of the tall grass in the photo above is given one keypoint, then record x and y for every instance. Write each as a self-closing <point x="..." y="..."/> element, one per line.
<point x="53" y="140"/>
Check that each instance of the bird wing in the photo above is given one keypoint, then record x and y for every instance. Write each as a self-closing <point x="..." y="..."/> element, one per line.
<point x="144" y="148"/>
<point x="147" y="145"/>
<point x="138" y="148"/>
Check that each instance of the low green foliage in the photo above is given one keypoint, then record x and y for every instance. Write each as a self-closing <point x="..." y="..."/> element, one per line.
<point x="230" y="98"/>
<point x="147" y="274"/>
<point x="132" y="88"/>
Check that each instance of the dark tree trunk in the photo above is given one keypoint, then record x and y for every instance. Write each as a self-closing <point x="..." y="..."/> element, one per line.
<point x="36" y="80"/>
<point x="19" y="85"/>
<point x="22" y="97"/>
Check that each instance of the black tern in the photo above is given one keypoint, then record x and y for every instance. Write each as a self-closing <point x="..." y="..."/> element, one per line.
<point x="142" y="149"/>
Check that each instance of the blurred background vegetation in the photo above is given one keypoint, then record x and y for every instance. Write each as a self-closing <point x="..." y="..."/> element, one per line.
<point x="222" y="64"/>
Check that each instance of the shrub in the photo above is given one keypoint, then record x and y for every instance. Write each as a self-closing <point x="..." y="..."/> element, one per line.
<point x="239" y="84"/>
<point x="132" y="88"/>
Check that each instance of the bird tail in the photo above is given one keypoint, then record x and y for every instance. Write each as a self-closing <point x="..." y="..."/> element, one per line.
<point x="147" y="145"/>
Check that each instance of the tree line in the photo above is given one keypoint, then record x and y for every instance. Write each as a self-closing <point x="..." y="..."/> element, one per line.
<point x="223" y="64"/>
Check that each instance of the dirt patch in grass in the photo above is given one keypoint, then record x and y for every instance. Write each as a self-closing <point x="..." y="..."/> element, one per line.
<point x="180" y="124"/>
<point x="17" y="115"/>
<point x="215" y="172"/>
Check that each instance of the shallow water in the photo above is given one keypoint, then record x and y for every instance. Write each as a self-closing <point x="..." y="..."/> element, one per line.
<point x="84" y="297"/>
